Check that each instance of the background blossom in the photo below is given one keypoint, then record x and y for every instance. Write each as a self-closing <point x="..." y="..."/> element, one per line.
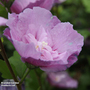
<point x="22" y="4"/>
<point x="61" y="80"/>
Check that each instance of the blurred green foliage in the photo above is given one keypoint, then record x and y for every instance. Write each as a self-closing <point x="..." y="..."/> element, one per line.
<point x="76" y="12"/>
<point x="86" y="4"/>
<point x="4" y="70"/>
<point x="3" y="11"/>
<point x="20" y="67"/>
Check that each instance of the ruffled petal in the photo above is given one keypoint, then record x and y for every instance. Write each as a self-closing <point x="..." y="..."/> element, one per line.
<point x="65" y="38"/>
<point x="26" y="50"/>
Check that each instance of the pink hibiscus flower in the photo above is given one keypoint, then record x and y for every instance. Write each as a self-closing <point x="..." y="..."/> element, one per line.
<point x="42" y="40"/>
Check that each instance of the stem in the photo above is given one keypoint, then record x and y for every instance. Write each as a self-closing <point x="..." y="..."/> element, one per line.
<point x="28" y="70"/>
<point x="38" y="79"/>
<point x="8" y="64"/>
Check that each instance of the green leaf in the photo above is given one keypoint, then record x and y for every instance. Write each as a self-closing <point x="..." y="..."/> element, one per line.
<point x="4" y="70"/>
<point x="31" y="82"/>
<point x="20" y="67"/>
<point x="3" y="11"/>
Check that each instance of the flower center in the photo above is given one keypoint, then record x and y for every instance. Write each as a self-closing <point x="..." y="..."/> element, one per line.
<point x="59" y="78"/>
<point x="41" y="45"/>
<point x="44" y="44"/>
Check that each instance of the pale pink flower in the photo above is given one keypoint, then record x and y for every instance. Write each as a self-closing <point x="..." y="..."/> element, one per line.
<point x="19" y="5"/>
<point x="42" y="40"/>
<point x="61" y="80"/>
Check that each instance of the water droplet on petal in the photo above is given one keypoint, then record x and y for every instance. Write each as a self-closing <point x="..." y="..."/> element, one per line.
<point x="70" y="43"/>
